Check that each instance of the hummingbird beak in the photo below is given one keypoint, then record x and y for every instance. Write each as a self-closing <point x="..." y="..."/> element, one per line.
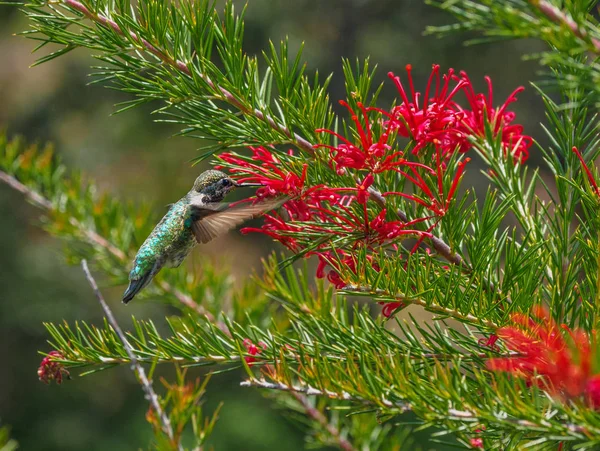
<point x="246" y="184"/>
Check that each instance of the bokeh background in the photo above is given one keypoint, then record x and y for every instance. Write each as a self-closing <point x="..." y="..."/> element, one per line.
<point x="140" y="160"/>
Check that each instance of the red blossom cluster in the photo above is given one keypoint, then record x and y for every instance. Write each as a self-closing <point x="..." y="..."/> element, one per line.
<point x="322" y="205"/>
<point x="440" y="129"/>
<point x="253" y="349"/>
<point x="439" y="119"/>
<point x="51" y="370"/>
<point x="554" y="357"/>
<point x="477" y="442"/>
<point x="335" y="261"/>
<point x="371" y="152"/>
<point x="268" y="172"/>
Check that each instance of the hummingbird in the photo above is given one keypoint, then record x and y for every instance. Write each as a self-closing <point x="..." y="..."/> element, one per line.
<point x="197" y="217"/>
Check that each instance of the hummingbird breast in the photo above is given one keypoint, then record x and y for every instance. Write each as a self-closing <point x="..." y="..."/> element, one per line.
<point x="169" y="243"/>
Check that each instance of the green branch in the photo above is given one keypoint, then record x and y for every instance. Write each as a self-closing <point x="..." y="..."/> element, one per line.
<point x="562" y="18"/>
<point x="409" y="300"/>
<point x="398" y="406"/>
<point x="227" y="96"/>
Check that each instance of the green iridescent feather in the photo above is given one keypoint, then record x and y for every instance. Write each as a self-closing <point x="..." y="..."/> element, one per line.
<point x="171" y="240"/>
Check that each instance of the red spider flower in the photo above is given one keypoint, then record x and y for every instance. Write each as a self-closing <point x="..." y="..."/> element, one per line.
<point x="51" y="370"/>
<point x="592" y="391"/>
<point x="554" y="357"/>
<point x="278" y="229"/>
<point x="373" y="153"/>
<point x="490" y="342"/>
<point x="438" y="117"/>
<point x="298" y="209"/>
<point x="304" y="202"/>
<point x="383" y="230"/>
<point x="336" y="261"/>
<point x="434" y="198"/>
<point x="362" y="190"/>
<point x="253" y="350"/>
<point x="390" y="307"/>
<point x="587" y="170"/>
<point x="329" y="259"/>
<point x="269" y="173"/>
<point x="482" y="111"/>
<point x="435" y="117"/>
<point x="476" y="442"/>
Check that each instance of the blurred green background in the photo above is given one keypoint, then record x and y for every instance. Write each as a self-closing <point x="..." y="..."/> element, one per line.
<point x="139" y="160"/>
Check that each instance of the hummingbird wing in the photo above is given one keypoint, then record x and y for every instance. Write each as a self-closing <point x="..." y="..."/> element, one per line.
<point x="212" y="220"/>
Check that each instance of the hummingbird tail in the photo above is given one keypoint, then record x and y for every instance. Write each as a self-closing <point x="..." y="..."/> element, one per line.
<point x="135" y="286"/>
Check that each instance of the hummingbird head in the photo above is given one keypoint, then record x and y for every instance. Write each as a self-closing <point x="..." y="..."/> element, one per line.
<point x="214" y="184"/>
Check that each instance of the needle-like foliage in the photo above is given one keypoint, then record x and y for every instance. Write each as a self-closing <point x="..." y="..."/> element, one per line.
<point x="506" y="358"/>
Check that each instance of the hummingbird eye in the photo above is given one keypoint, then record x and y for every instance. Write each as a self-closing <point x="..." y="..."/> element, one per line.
<point x="226" y="182"/>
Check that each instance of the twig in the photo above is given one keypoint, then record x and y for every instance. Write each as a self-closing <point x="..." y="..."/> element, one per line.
<point x="135" y="366"/>
<point x="308" y="390"/>
<point x="226" y="359"/>
<point x="353" y="289"/>
<point x="461" y="415"/>
<point x="181" y="66"/>
<point x="40" y="201"/>
<point x="207" y="359"/>
<point x="451" y="414"/>
<point x="560" y="17"/>
<point x="318" y="416"/>
<point x="377" y="196"/>
<point x="34" y="197"/>
<point x="438" y="244"/>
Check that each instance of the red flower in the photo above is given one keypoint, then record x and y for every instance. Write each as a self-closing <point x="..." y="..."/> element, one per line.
<point x="51" y="370"/>
<point x="276" y="181"/>
<point x="439" y="119"/>
<point x="476" y="442"/>
<point x="546" y="357"/>
<point x="371" y="153"/>
<point x="253" y="350"/>
<point x="278" y="229"/>
<point x="362" y="190"/>
<point x="482" y="111"/>
<point x="390" y="307"/>
<point x="330" y="259"/>
<point x="490" y="342"/>
<point x="592" y="391"/>
<point x="436" y="117"/>
<point x="587" y="170"/>
<point x="338" y="260"/>
<point x="434" y="198"/>
<point x="383" y="230"/>
<point x="304" y="202"/>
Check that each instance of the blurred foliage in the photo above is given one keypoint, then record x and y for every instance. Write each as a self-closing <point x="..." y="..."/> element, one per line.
<point x="135" y="158"/>
<point x="6" y="443"/>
